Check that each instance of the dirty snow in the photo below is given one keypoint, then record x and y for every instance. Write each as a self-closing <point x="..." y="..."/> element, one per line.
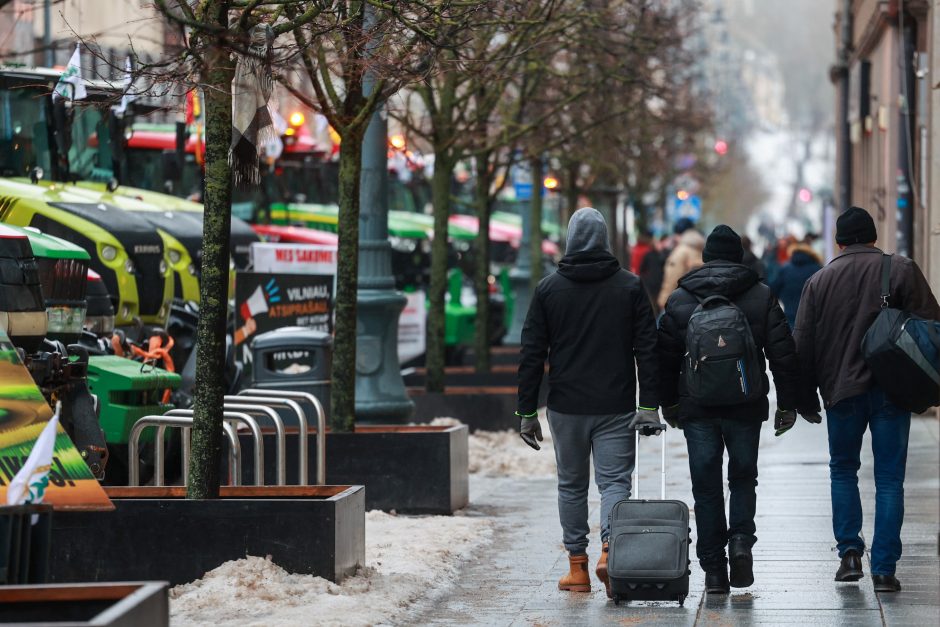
<point x="408" y="559"/>
<point x="504" y="454"/>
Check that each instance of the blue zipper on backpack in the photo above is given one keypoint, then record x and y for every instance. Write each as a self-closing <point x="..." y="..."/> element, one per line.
<point x="744" y="385"/>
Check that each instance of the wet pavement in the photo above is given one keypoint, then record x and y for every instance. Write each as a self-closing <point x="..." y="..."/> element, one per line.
<point x="515" y="580"/>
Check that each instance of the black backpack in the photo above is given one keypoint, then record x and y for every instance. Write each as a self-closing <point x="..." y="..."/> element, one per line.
<point x="723" y="364"/>
<point x="903" y="352"/>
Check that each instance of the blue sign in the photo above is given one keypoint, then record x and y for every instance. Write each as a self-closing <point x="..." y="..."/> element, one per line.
<point x="523" y="191"/>
<point x="690" y="208"/>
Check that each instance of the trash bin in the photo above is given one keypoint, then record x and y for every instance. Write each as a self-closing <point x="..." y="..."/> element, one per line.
<point x="24" y="547"/>
<point x="293" y="358"/>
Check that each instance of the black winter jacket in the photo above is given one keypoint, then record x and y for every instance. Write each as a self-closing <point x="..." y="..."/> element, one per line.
<point x="768" y="324"/>
<point x="594" y="323"/>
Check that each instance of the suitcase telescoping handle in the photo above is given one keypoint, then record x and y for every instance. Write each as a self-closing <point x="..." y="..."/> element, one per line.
<point x="636" y="465"/>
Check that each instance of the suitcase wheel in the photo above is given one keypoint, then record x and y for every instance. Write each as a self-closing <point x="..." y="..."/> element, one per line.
<point x="616" y="600"/>
<point x="681" y="600"/>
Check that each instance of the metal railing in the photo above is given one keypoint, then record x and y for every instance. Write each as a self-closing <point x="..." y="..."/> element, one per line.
<point x="185" y="424"/>
<point x="321" y="422"/>
<point x="253" y="426"/>
<point x="303" y="425"/>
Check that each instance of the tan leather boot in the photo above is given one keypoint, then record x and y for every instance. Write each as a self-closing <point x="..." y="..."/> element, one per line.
<point x="577" y="579"/>
<point x="601" y="570"/>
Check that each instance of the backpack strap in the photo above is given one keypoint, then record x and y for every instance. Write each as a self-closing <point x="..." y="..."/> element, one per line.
<point x="885" y="279"/>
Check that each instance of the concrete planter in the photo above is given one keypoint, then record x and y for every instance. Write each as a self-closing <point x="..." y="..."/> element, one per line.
<point x="417" y="469"/>
<point x="154" y="532"/>
<point x="126" y="604"/>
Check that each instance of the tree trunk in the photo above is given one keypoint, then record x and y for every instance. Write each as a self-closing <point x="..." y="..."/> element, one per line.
<point x="206" y="452"/>
<point x="571" y="193"/>
<point x="436" y="344"/>
<point x="481" y="345"/>
<point x="535" y="226"/>
<point x="343" y="397"/>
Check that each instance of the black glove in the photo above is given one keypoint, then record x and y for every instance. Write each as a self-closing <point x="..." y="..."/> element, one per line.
<point x="531" y="432"/>
<point x="811" y="416"/>
<point x="784" y="420"/>
<point x="671" y="416"/>
<point x="646" y="421"/>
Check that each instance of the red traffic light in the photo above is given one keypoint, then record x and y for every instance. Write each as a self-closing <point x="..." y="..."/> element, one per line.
<point x="721" y="147"/>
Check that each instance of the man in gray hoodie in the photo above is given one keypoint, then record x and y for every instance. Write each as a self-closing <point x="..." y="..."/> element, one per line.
<point x="593" y="321"/>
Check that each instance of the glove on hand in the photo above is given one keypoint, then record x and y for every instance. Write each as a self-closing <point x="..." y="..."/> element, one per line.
<point x="671" y="416"/>
<point x="646" y="421"/>
<point x="531" y="432"/>
<point x="812" y="416"/>
<point x="784" y="420"/>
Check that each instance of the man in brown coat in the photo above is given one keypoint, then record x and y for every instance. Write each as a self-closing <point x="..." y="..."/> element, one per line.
<point x="838" y="305"/>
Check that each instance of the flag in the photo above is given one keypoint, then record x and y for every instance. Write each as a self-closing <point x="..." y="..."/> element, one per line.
<point x="126" y="97"/>
<point x="72" y="76"/>
<point x="29" y="484"/>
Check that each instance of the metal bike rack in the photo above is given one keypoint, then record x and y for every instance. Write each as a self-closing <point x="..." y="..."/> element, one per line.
<point x="280" y="435"/>
<point x="285" y="403"/>
<point x="253" y="426"/>
<point x="185" y="424"/>
<point x="321" y="421"/>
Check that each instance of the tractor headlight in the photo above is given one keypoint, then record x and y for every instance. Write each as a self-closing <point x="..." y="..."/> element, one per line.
<point x="129" y="266"/>
<point x="109" y="253"/>
<point x="175" y="256"/>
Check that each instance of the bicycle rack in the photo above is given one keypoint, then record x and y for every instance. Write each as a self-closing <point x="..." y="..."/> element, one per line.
<point x="185" y="424"/>
<point x="285" y="403"/>
<point x="280" y="451"/>
<point x="321" y="422"/>
<point x="252" y="424"/>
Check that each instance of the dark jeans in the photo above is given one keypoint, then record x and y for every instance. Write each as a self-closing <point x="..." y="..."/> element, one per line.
<point x="890" y="427"/>
<point x="707" y="440"/>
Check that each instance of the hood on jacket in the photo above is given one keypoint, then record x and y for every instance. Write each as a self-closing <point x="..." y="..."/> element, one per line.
<point x="719" y="277"/>
<point x="803" y="255"/>
<point x="693" y="239"/>
<point x="587" y="231"/>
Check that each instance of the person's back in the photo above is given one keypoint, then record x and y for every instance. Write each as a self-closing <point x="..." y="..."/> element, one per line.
<point x="594" y="323"/>
<point x="789" y="281"/>
<point x="685" y="256"/>
<point x="838" y="305"/>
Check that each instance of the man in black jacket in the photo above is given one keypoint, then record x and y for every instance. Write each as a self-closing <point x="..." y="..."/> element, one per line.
<point x="838" y="305"/>
<point x="593" y="322"/>
<point x="710" y="429"/>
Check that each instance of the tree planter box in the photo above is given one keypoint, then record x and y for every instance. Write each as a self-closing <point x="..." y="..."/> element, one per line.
<point x="154" y="532"/>
<point x="133" y="604"/>
<point x="484" y="408"/>
<point x="410" y="469"/>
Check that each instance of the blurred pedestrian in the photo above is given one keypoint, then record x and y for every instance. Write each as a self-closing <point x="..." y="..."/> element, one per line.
<point x="593" y="322"/>
<point x="713" y="384"/>
<point x="789" y="281"/>
<point x="644" y="244"/>
<point x="651" y="270"/>
<point x="686" y="256"/>
<point x="751" y="260"/>
<point x="839" y="304"/>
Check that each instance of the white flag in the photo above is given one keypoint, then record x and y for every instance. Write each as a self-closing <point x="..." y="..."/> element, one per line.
<point x="71" y="84"/>
<point x="127" y="97"/>
<point x="29" y="484"/>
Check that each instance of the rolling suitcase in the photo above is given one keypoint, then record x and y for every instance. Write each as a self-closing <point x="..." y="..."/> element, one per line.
<point x="648" y="558"/>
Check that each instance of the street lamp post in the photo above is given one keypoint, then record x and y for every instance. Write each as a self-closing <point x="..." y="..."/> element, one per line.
<point x="380" y="391"/>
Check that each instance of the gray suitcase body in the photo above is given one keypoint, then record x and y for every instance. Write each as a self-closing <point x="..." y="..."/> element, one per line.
<point x="648" y="559"/>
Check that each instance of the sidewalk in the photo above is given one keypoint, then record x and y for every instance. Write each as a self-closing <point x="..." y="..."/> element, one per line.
<point x="514" y="580"/>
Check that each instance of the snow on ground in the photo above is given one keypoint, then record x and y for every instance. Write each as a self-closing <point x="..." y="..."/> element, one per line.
<point x="504" y="454"/>
<point x="408" y="559"/>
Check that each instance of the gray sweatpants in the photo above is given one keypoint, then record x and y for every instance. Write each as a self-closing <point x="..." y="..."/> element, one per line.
<point x="576" y="437"/>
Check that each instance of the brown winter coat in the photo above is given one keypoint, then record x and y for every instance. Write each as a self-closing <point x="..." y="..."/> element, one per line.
<point x="685" y="257"/>
<point x="838" y="305"/>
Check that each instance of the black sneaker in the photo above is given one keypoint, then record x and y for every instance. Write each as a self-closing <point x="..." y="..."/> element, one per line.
<point x="742" y="562"/>
<point x="886" y="583"/>
<point x="716" y="582"/>
<point x="851" y="567"/>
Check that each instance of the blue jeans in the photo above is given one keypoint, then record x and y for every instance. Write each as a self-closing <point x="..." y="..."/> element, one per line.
<point x="707" y="440"/>
<point x="890" y="427"/>
<point x="577" y="438"/>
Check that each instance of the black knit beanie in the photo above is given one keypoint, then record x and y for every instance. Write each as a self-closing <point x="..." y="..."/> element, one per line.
<point x="724" y="244"/>
<point x="855" y="226"/>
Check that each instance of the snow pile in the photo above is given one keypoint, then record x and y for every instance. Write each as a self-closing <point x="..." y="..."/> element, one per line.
<point x="504" y="454"/>
<point x="409" y="558"/>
